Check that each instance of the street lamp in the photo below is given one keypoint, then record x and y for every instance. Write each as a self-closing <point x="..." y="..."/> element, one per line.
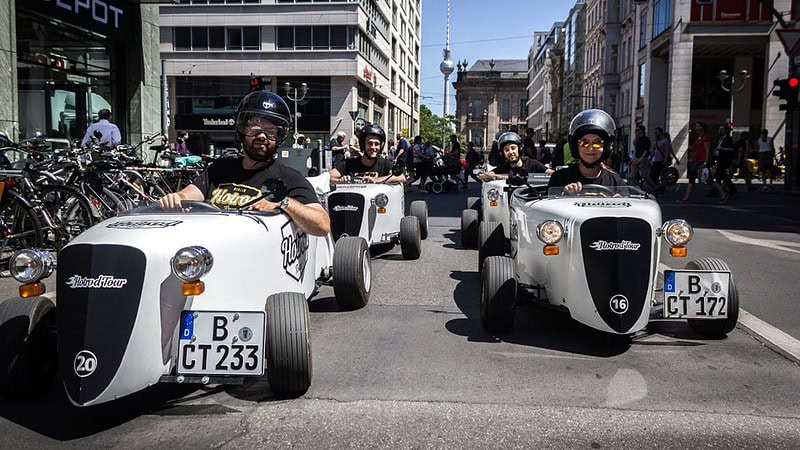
<point x="732" y="83"/>
<point x="295" y="98"/>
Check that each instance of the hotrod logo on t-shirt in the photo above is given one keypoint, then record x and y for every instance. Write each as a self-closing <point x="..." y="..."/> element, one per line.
<point x="232" y="196"/>
<point x="294" y="248"/>
<point x="101" y="282"/>
<point x="624" y="245"/>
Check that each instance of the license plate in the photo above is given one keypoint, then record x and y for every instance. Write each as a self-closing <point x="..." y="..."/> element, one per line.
<point x="696" y="294"/>
<point x="221" y="343"/>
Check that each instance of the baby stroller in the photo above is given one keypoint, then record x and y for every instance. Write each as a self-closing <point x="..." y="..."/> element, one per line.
<point x="445" y="175"/>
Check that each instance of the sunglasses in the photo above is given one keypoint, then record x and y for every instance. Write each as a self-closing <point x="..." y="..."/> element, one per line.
<point x="252" y="131"/>
<point x="594" y="144"/>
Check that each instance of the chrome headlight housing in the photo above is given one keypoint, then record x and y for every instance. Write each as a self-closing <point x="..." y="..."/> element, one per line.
<point x="493" y="195"/>
<point x="550" y="231"/>
<point x="191" y="263"/>
<point x="381" y="200"/>
<point x="678" y="232"/>
<point x="31" y="265"/>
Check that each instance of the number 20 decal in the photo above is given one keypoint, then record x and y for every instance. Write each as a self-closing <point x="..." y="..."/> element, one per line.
<point x="85" y="363"/>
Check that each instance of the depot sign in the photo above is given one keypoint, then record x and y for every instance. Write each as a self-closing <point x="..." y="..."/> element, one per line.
<point x="110" y="18"/>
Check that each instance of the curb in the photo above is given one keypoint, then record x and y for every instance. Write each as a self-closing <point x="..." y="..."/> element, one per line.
<point x="773" y="338"/>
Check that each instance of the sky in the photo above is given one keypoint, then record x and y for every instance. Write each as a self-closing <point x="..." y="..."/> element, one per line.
<point x="504" y="27"/>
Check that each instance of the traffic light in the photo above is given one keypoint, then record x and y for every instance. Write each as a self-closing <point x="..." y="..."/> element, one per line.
<point x="255" y="83"/>
<point x="787" y="89"/>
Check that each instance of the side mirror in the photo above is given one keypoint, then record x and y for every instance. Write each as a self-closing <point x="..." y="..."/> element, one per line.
<point x="518" y="176"/>
<point x="397" y="171"/>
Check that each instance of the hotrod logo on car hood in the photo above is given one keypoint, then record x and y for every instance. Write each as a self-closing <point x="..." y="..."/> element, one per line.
<point x="601" y="204"/>
<point x="338" y="208"/>
<point x="624" y="245"/>
<point x="294" y="248"/>
<point x="139" y="224"/>
<point x="101" y="282"/>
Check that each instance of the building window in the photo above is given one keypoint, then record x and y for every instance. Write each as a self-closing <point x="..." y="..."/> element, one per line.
<point x="640" y="102"/>
<point x="662" y="16"/>
<point x="321" y="38"/>
<point x="216" y="38"/>
<point x="523" y="108"/>
<point x="643" y="30"/>
<point x="302" y="38"/>
<point x="477" y="110"/>
<point x="505" y="110"/>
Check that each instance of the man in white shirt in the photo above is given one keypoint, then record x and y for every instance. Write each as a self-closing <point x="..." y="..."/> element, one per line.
<point x="110" y="134"/>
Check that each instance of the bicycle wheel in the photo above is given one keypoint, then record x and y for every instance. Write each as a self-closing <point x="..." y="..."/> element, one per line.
<point x="69" y="210"/>
<point x="20" y="229"/>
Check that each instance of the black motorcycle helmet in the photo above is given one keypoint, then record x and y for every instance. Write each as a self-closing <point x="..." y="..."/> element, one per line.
<point x="266" y="105"/>
<point x="373" y="129"/>
<point x="508" y="137"/>
<point x="4" y="140"/>
<point x="595" y="121"/>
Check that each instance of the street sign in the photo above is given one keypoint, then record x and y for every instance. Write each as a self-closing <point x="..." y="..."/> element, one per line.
<point x="353" y="114"/>
<point x="790" y="40"/>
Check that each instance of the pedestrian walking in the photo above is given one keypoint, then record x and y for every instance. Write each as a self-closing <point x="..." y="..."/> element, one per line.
<point x="661" y="158"/>
<point x="766" y="156"/>
<point x="639" y="164"/>
<point x="724" y="155"/>
<point x="742" y="148"/>
<point x="299" y="142"/>
<point x="702" y="157"/>
<point x="109" y="132"/>
<point x="338" y="147"/>
<point x="402" y="152"/>
<point x="473" y="159"/>
<point x="181" y="147"/>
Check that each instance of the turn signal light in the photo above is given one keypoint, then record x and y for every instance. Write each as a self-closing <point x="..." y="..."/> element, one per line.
<point x="31" y="290"/>
<point x="492" y="203"/>
<point x="678" y="252"/>
<point x="193" y="288"/>
<point x="381" y="210"/>
<point x="550" y="250"/>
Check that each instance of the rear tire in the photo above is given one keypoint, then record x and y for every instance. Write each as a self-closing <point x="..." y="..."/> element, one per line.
<point x="469" y="228"/>
<point x="717" y="327"/>
<point x="491" y="241"/>
<point x="410" y="240"/>
<point x="352" y="272"/>
<point x="669" y="176"/>
<point x="288" y="344"/>
<point x="28" y="347"/>
<point x="498" y="293"/>
<point x="419" y="209"/>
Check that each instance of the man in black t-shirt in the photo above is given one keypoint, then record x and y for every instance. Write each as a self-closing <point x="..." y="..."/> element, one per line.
<point x="510" y="143"/>
<point x="262" y="123"/>
<point x="370" y="166"/>
<point x="591" y="133"/>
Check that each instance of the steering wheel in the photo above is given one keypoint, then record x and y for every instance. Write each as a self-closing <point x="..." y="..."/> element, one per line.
<point x="597" y="190"/>
<point x="594" y="190"/>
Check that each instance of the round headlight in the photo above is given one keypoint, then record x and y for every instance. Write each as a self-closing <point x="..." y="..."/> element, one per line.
<point x="381" y="200"/>
<point x="493" y="195"/>
<point x="678" y="232"/>
<point x="191" y="263"/>
<point x="550" y="232"/>
<point x="31" y="265"/>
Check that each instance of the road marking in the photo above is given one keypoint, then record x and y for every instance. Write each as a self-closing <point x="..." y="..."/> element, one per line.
<point x="768" y="243"/>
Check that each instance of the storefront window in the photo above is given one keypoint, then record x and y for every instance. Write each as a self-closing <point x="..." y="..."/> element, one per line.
<point x="65" y="78"/>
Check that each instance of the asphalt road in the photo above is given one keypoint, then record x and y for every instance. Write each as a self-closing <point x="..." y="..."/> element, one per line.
<point x="415" y="369"/>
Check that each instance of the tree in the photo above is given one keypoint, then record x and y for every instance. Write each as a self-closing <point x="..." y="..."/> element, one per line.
<point x="433" y="127"/>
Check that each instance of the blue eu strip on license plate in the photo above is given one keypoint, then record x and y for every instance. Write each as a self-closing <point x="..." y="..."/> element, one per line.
<point x="187" y="325"/>
<point x="669" y="281"/>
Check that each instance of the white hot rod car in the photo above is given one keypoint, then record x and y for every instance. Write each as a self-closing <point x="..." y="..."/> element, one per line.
<point x="204" y="296"/>
<point x="596" y="256"/>
<point x="376" y="212"/>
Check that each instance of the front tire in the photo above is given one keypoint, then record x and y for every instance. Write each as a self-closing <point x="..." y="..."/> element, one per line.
<point x="28" y="348"/>
<point x="491" y="241"/>
<point x="469" y="228"/>
<point x="352" y="272"/>
<point x="410" y="239"/>
<point x="498" y="293"/>
<point x="288" y="344"/>
<point x="419" y="209"/>
<point x="717" y="327"/>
